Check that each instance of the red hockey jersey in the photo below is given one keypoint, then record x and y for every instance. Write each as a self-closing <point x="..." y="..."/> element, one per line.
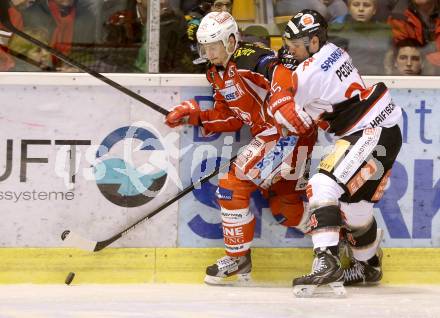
<point x="240" y="92"/>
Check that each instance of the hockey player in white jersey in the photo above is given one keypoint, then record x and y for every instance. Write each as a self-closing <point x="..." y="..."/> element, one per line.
<point x="327" y="89"/>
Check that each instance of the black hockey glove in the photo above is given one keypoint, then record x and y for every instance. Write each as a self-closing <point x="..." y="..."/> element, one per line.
<point x="287" y="59"/>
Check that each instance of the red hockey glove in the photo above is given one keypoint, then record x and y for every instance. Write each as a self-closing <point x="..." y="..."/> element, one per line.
<point x="186" y="113"/>
<point x="289" y="115"/>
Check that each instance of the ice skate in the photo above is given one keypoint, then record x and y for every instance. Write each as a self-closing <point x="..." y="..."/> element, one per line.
<point x="230" y="270"/>
<point x="326" y="270"/>
<point x="364" y="272"/>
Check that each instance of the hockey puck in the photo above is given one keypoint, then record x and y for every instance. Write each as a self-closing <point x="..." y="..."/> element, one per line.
<point x="69" y="278"/>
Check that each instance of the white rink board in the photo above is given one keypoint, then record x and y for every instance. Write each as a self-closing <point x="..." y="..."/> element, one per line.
<point x="32" y="215"/>
<point x="77" y="107"/>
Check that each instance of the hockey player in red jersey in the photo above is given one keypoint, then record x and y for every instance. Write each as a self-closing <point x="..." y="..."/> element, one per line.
<point x="240" y="91"/>
<point x="327" y="89"/>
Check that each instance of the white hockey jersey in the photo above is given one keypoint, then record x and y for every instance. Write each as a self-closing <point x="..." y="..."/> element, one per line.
<point x="331" y="91"/>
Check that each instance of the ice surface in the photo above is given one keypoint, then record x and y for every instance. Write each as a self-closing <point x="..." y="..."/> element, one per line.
<point x="200" y="301"/>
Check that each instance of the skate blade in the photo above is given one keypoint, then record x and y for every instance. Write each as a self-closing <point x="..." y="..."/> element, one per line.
<point x="234" y="280"/>
<point x="338" y="289"/>
<point x="304" y="291"/>
<point x="335" y="289"/>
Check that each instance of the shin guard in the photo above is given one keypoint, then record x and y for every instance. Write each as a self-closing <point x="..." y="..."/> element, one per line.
<point x="365" y="241"/>
<point x="238" y="231"/>
<point x="325" y="223"/>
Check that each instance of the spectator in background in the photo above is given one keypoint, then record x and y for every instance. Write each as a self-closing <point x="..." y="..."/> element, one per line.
<point x="6" y="61"/>
<point x="432" y="64"/>
<point x="194" y="16"/>
<point x="68" y="23"/>
<point x="141" y="60"/>
<point x="256" y="34"/>
<point x="222" y="6"/>
<point x="174" y="53"/>
<point x="102" y="10"/>
<point x="29" y="57"/>
<point x="15" y="9"/>
<point x="385" y="7"/>
<point x="15" y="15"/>
<point x="408" y="58"/>
<point x="123" y="28"/>
<point x="174" y="50"/>
<point x="142" y="11"/>
<point x="367" y="40"/>
<point x="362" y="11"/>
<point x="123" y="38"/>
<point x="420" y="21"/>
<point x="336" y="10"/>
<point x="187" y="5"/>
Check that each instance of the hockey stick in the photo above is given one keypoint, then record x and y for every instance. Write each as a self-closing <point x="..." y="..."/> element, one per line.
<point x="4" y="19"/>
<point x="72" y="239"/>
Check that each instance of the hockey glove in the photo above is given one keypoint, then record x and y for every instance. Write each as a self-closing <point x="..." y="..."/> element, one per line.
<point x="286" y="58"/>
<point x="186" y="113"/>
<point x="289" y="115"/>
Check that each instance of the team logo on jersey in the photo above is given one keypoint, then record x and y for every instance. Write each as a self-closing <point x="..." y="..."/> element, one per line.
<point x="284" y="147"/>
<point x="232" y="93"/>
<point x="332" y="59"/>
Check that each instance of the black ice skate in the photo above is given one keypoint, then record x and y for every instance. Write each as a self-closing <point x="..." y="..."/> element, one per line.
<point x="369" y="272"/>
<point x="326" y="270"/>
<point x="230" y="270"/>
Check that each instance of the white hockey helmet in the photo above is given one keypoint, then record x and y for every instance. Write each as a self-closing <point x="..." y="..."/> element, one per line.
<point x="218" y="26"/>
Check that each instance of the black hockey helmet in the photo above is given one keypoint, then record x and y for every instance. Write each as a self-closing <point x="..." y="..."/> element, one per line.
<point x="307" y="23"/>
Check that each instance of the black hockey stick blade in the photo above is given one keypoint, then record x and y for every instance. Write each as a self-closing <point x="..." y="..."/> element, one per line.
<point x="4" y="19"/>
<point x="74" y="240"/>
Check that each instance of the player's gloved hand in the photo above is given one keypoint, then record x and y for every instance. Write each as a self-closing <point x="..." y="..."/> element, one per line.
<point x="286" y="58"/>
<point x="289" y="115"/>
<point x="188" y="112"/>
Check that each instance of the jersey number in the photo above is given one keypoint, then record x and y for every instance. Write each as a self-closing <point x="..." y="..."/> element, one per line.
<point x="353" y="88"/>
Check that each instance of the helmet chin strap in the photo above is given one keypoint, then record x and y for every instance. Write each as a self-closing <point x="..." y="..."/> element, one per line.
<point x="306" y="41"/>
<point x="307" y="45"/>
<point x="230" y="53"/>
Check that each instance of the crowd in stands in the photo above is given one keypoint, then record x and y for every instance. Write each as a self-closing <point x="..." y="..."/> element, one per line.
<point x="386" y="37"/>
